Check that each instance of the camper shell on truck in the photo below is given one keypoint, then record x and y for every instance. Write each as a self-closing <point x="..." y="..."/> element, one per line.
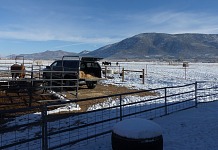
<point x="75" y="69"/>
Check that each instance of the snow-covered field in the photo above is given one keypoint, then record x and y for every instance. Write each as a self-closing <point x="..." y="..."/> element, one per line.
<point x="190" y="129"/>
<point x="193" y="129"/>
<point x="163" y="74"/>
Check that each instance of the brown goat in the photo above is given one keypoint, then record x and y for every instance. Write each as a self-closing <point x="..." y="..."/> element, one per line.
<point x="18" y="71"/>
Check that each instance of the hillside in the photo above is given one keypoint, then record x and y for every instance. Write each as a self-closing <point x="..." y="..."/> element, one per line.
<point x="160" y="45"/>
<point x="45" y="55"/>
<point x="152" y="46"/>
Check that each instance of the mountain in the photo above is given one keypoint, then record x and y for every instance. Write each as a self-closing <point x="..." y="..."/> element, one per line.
<point x="150" y="46"/>
<point x="50" y="54"/>
<point x="46" y="55"/>
<point x="161" y="45"/>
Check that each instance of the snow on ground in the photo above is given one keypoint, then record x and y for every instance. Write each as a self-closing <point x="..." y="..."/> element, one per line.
<point x="193" y="129"/>
<point x="163" y="74"/>
<point x="190" y="129"/>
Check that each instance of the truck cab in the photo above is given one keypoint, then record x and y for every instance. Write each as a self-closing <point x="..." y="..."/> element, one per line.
<point x="86" y="70"/>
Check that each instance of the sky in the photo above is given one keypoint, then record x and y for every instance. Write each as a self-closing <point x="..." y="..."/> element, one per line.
<point x="32" y="26"/>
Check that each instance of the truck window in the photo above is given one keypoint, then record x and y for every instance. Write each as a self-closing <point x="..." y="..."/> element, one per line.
<point x="82" y="66"/>
<point x="89" y="65"/>
<point x="71" y="64"/>
<point x="56" y="64"/>
<point x="92" y="65"/>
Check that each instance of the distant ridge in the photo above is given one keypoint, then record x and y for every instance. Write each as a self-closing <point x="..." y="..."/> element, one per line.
<point x="162" y="46"/>
<point x="49" y="54"/>
<point x="45" y="55"/>
<point x="150" y="46"/>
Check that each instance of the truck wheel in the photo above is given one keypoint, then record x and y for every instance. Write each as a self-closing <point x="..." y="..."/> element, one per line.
<point x="91" y="85"/>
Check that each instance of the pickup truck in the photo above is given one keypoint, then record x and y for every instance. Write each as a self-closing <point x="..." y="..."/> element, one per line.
<point x="84" y="70"/>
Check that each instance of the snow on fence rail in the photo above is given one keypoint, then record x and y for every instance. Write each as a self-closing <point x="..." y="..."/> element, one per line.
<point x="63" y="130"/>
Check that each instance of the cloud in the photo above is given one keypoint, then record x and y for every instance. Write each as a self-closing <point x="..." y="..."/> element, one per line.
<point x="170" y="22"/>
<point x="181" y="22"/>
<point x="44" y="34"/>
<point x="111" y="29"/>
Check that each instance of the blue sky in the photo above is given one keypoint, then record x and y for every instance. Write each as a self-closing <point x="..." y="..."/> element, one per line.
<point x="31" y="26"/>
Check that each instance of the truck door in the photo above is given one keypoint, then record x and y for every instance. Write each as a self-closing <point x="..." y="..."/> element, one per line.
<point x="56" y="69"/>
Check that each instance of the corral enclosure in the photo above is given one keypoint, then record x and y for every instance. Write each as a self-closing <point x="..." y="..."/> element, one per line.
<point x="19" y="92"/>
<point x="30" y="65"/>
<point x="173" y="70"/>
<point x="158" y="74"/>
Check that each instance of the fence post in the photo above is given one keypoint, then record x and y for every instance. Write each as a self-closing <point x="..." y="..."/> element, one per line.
<point x="196" y="99"/>
<point x="123" y="75"/>
<point x="119" y="69"/>
<point x="30" y="90"/>
<point x="44" y="128"/>
<point x="51" y="78"/>
<point x="165" y="100"/>
<point x="121" y="112"/>
<point x="143" y="76"/>
<point x="105" y="71"/>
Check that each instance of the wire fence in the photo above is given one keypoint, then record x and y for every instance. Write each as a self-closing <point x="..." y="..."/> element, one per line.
<point x="23" y="129"/>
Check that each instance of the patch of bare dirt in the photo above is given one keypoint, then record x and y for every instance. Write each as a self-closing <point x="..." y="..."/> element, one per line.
<point x="13" y="99"/>
<point x="102" y="90"/>
<point x="99" y="91"/>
